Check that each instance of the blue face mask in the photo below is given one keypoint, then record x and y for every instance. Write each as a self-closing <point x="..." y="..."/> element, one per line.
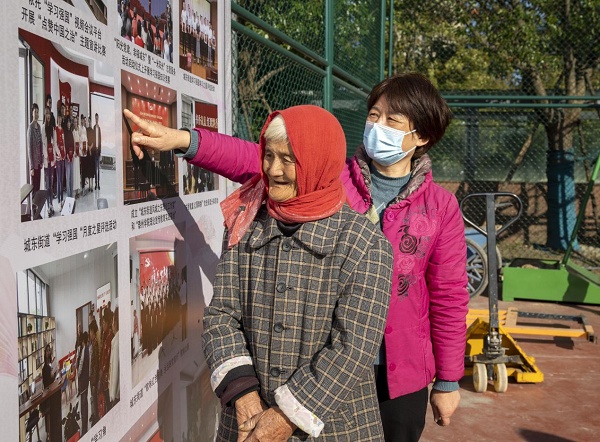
<point x="384" y="144"/>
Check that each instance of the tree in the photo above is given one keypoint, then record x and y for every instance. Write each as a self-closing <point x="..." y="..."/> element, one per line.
<point x="540" y="47"/>
<point x="545" y="47"/>
<point x="268" y="80"/>
<point x="430" y="36"/>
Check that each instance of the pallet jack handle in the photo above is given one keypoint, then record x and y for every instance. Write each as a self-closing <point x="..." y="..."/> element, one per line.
<point x="494" y="344"/>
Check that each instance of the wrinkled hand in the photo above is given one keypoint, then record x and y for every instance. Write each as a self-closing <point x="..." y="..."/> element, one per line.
<point x="271" y="425"/>
<point x="246" y="407"/>
<point x="155" y="136"/>
<point x="443" y="405"/>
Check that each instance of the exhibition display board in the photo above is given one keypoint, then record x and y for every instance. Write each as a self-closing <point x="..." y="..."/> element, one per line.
<point x="107" y="261"/>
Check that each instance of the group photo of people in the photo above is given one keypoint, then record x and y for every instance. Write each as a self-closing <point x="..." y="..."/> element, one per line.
<point x="198" y="38"/>
<point x="67" y="148"/>
<point x="159" y="297"/>
<point x="96" y="365"/>
<point x="148" y="24"/>
<point x="155" y="176"/>
<point x="160" y="308"/>
<point x="71" y="149"/>
<point x="69" y="371"/>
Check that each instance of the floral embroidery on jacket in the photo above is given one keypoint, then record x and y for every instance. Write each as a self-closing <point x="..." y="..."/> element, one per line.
<point x="408" y="246"/>
<point x="408" y="243"/>
<point x="414" y="238"/>
<point x="404" y="282"/>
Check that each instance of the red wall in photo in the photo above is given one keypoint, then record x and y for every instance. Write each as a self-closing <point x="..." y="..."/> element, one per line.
<point x="206" y="116"/>
<point x="149" y="110"/>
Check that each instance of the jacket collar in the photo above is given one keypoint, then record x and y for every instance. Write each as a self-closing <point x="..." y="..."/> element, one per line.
<point x="317" y="236"/>
<point x="420" y="168"/>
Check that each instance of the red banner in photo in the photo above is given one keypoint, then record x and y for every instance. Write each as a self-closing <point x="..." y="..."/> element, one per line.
<point x="206" y="116"/>
<point x="150" y="111"/>
<point x="154" y="266"/>
<point x="64" y="89"/>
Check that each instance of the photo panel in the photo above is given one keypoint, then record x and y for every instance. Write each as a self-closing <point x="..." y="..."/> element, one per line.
<point x="186" y="407"/>
<point x="68" y="344"/>
<point x="158" y="285"/>
<point x="148" y="24"/>
<point x="84" y="364"/>
<point x="198" y="114"/>
<point x="155" y="176"/>
<point x="198" y="49"/>
<point x="67" y="126"/>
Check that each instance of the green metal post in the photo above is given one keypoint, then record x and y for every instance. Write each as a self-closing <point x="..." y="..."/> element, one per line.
<point x="582" y="205"/>
<point x="329" y="33"/>
<point x="390" y="39"/>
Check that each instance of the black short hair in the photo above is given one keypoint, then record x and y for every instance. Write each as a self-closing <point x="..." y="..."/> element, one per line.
<point x="107" y="316"/>
<point x="94" y="326"/>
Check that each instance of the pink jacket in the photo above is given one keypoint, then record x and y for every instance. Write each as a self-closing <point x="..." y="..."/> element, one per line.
<point x="425" y="333"/>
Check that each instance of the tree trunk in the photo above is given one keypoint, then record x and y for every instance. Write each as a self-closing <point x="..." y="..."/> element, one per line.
<point x="560" y="124"/>
<point x="560" y="198"/>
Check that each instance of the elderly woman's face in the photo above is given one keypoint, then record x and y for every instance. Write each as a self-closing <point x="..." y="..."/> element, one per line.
<point x="279" y="165"/>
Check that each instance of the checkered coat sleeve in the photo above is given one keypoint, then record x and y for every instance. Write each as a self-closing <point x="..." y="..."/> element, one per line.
<point x="307" y="312"/>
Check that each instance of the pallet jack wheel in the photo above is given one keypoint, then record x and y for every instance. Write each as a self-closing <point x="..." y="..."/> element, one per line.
<point x="500" y="378"/>
<point x="480" y="378"/>
<point x="477" y="271"/>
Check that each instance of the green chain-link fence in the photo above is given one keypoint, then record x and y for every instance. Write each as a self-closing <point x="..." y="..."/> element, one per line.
<point x="520" y="76"/>
<point x="323" y="52"/>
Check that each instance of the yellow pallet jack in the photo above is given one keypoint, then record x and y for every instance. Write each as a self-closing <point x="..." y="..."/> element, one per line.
<point x="491" y="353"/>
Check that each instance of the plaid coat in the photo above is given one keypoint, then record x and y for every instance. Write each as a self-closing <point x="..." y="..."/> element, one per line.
<point x="308" y="311"/>
<point x="425" y="334"/>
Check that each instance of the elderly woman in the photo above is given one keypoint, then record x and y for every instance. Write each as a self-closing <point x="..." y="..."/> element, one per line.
<point x="301" y="294"/>
<point x="390" y="180"/>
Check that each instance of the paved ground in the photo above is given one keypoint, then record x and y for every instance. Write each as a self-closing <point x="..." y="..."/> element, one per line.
<point x="562" y="408"/>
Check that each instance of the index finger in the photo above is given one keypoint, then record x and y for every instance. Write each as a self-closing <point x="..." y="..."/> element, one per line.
<point x="135" y="119"/>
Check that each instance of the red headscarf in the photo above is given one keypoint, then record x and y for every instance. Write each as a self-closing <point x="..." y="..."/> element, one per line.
<point x="319" y="145"/>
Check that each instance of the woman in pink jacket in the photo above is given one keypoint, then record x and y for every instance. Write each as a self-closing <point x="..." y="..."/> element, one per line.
<point x="389" y="179"/>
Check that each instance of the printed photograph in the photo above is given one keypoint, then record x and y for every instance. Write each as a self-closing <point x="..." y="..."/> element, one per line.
<point x="198" y="38"/>
<point x="196" y="113"/>
<point x="186" y="407"/>
<point x="158" y="423"/>
<point x="148" y="24"/>
<point x="68" y="345"/>
<point x="158" y="286"/>
<point x="156" y="175"/>
<point x="67" y="126"/>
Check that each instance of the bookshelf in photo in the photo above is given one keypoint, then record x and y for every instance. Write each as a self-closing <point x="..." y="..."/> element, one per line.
<point x="34" y="333"/>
